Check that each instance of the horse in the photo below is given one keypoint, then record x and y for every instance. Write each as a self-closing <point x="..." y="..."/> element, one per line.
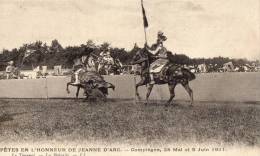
<point x="174" y="75"/>
<point x="91" y="82"/>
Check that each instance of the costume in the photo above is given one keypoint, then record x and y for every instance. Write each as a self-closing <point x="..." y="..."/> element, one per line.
<point x="91" y="65"/>
<point x="160" y="53"/>
<point x="82" y="65"/>
<point x="161" y="60"/>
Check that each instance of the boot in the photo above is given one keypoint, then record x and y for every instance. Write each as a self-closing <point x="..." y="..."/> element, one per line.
<point x="151" y="79"/>
<point x="76" y="80"/>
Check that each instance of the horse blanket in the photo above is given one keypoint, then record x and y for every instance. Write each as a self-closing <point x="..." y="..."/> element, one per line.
<point x="158" y="65"/>
<point x="90" y="76"/>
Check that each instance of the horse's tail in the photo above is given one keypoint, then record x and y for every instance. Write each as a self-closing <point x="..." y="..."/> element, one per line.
<point x="110" y="85"/>
<point x="188" y="74"/>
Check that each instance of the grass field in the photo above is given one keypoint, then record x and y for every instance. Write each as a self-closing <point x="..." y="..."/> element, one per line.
<point x="129" y="123"/>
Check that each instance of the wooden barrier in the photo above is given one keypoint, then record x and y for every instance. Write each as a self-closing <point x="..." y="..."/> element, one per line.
<point x="23" y="88"/>
<point x="125" y="86"/>
<point x="206" y="87"/>
<point x="57" y="88"/>
<point x="215" y="87"/>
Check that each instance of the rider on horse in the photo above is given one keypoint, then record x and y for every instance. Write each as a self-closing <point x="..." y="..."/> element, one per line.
<point x="86" y="63"/>
<point x="9" y="69"/>
<point x="77" y="68"/>
<point x="160" y="53"/>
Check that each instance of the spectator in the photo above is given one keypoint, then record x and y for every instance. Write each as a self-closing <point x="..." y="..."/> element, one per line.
<point x="9" y="69"/>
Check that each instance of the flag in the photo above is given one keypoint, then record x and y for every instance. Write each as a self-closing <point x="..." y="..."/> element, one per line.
<point x="144" y="16"/>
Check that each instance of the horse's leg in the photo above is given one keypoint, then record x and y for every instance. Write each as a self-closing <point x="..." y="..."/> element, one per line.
<point x="190" y="92"/>
<point x="141" y="83"/>
<point x="67" y="89"/>
<point x="77" y="93"/>
<point x="149" y="90"/>
<point x="136" y="91"/>
<point x="86" y="94"/>
<point x="172" y="93"/>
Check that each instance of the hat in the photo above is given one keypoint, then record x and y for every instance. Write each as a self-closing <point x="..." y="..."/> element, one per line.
<point x="161" y="36"/>
<point x="160" y="33"/>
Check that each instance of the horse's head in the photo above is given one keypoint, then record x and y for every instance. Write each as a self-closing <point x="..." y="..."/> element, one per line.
<point x="140" y="56"/>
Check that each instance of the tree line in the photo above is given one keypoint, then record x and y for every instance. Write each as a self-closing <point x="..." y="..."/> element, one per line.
<point x="55" y="54"/>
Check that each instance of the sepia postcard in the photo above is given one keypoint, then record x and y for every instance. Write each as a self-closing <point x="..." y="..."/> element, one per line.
<point x="129" y="77"/>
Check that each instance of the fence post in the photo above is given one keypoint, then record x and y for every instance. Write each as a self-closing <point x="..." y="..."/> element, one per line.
<point x="134" y="89"/>
<point x="46" y="89"/>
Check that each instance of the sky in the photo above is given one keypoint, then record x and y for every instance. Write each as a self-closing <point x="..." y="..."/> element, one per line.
<point x="197" y="28"/>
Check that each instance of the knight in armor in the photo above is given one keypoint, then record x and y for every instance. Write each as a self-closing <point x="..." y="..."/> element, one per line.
<point x="90" y="64"/>
<point x="9" y="69"/>
<point x="160" y="53"/>
<point x="85" y="63"/>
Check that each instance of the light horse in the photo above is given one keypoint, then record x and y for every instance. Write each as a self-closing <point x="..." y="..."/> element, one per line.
<point x="173" y="75"/>
<point x="90" y="81"/>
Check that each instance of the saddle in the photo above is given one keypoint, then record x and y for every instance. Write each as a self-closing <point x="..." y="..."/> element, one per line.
<point x="162" y="74"/>
<point x="174" y="69"/>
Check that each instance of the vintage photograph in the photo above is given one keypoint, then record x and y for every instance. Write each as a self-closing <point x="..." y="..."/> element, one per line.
<point x="129" y="77"/>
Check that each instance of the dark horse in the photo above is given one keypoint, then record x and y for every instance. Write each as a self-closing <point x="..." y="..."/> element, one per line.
<point x="173" y="75"/>
<point x="92" y="83"/>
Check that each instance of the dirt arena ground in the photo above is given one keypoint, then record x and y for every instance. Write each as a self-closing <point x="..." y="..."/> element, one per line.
<point x="123" y="121"/>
